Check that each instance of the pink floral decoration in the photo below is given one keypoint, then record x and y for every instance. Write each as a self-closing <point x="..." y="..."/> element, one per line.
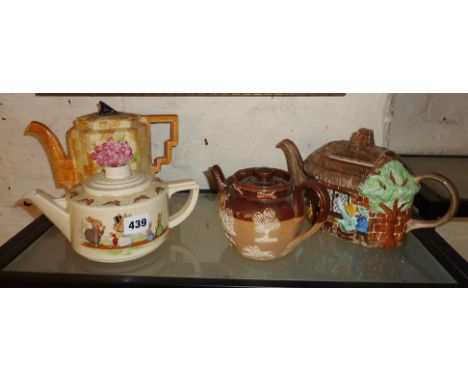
<point x="113" y="154"/>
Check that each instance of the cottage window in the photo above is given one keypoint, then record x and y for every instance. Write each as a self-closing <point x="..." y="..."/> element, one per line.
<point x="337" y="198"/>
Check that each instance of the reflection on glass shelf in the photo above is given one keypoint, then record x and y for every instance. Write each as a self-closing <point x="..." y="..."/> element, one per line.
<point x="198" y="248"/>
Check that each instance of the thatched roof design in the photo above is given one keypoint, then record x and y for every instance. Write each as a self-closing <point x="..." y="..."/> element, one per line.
<point x="346" y="164"/>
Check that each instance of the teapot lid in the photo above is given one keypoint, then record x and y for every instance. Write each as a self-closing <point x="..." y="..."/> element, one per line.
<point x="116" y="181"/>
<point x="116" y="186"/>
<point x="262" y="180"/>
<point x="347" y="163"/>
<point x="105" y="117"/>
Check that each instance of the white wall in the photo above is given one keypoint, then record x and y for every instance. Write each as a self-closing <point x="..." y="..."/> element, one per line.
<point x="430" y="124"/>
<point x="240" y="131"/>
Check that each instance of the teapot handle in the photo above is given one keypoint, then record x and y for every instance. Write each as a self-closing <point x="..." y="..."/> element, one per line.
<point x="183" y="185"/>
<point x="324" y="200"/>
<point x="454" y="200"/>
<point x="169" y="144"/>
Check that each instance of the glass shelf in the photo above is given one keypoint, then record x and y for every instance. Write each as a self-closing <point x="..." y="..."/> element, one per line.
<point x="197" y="253"/>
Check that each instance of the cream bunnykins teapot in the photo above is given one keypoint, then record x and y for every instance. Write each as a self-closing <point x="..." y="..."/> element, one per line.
<point x="118" y="214"/>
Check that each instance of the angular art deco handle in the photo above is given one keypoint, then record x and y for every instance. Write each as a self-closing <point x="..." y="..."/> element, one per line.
<point x="169" y="144"/>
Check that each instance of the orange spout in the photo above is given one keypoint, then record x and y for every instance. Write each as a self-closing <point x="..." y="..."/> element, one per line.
<point x="62" y="165"/>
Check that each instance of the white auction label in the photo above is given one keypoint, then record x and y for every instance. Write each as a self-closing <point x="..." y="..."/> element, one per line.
<point x="135" y="224"/>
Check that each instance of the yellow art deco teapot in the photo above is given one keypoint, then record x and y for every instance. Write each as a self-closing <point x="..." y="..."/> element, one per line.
<point x="92" y="130"/>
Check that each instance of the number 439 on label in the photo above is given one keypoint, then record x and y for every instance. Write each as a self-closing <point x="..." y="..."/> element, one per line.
<point x="135" y="224"/>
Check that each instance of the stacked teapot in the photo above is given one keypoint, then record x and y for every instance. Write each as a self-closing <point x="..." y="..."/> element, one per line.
<point x="115" y="209"/>
<point x="94" y="129"/>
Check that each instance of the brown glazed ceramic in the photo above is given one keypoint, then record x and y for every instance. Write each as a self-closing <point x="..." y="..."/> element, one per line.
<point x="371" y="190"/>
<point x="262" y="212"/>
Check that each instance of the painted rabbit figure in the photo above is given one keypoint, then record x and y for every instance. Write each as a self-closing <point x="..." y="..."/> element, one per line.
<point x="122" y="240"/>
<point x="94" y="234"/>
<point x="149" y="232"/>
<point x="159" y="225"/>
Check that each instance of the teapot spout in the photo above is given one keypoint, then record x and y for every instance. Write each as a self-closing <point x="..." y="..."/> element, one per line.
<point x="293" y="160"/>
<point x="219" y="178"/>
<point x="54" y="209"/>
<point x="62" y="165"/>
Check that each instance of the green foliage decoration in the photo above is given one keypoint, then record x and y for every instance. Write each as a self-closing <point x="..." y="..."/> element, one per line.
<point x="391" y="183"/>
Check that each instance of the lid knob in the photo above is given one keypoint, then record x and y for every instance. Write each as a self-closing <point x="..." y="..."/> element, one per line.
<point x="264" y="174"/>
<point x="105" y="109"/>
<point x="117" y="172"/>
<point x="363" y="138"/>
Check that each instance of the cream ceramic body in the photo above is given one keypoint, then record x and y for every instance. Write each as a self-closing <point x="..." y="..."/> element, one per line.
<point x="118" y="215"/>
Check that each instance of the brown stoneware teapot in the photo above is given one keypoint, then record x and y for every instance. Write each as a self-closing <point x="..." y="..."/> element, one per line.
<point x="371" y="189"/>
<point x="262" y="212"/>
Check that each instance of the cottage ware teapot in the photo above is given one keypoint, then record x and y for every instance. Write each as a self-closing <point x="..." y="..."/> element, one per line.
<point x="371" y="190"/>
<point x="92" y="130"/>
<point x="118" y="214"/>
<point x="262" y="213"/>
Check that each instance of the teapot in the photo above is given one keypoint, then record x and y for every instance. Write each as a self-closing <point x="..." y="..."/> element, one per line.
<point x="262" y="212"/>
<point x="371" y="189"/>
<point x="91" y="130"/>
<point x="119" y="214"/>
